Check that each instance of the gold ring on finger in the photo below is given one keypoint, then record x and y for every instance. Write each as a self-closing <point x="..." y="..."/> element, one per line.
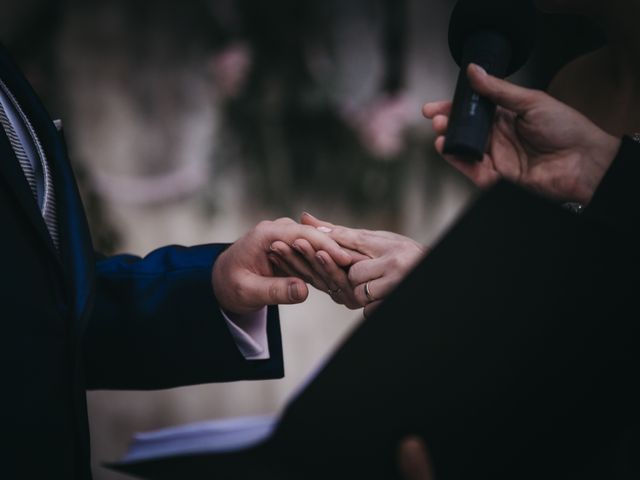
<point x="368" y="294"/>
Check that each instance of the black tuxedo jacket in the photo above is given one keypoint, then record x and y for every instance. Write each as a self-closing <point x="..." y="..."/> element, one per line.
<point x="72" y="320"/>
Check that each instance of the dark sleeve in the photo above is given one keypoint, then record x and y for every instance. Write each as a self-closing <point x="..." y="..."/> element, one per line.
<point x="156" y="324"/>
<point x="616" y="200"/>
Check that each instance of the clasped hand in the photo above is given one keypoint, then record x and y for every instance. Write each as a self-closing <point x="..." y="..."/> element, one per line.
<point x="274" y="262"/>
<point x="536" y="142"/>
<point x="379" y="261"/>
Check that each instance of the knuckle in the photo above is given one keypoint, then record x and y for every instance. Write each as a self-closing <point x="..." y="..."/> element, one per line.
<point x="340" y="231"/>
<point x="242" y="292"/>
<point x="534" y="96"/>
<point x="263" y="226"/>
<point x="362" y="239"/>
<point x="396" y="262"/>
<point x="355" y="239"/>
<point x="285" y="220"/>
<point x="354" y="275"/>
<point x="273" y="293"/>
<point x="404" y="261"/>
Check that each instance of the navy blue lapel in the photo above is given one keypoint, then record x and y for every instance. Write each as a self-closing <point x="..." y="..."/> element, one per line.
<point x="75" y="241"/>
<point x="76" y="249"/>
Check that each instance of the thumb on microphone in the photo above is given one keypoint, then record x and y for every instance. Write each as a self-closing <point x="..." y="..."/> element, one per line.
<point x="505" y="94"/>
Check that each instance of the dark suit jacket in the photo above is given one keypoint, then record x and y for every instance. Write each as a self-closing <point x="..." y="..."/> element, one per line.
<point x="75" y="321"/>
<point x="615" y="202"/>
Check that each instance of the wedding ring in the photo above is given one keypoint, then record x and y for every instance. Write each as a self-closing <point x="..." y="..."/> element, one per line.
<point x="367" y="293"/>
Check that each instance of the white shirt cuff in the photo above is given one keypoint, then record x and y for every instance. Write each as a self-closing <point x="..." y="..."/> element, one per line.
<point x="250" y="333"/>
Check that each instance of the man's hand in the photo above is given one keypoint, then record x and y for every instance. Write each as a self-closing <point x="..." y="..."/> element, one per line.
<point x="246" y="276"/>
<point x="536" y="141"/>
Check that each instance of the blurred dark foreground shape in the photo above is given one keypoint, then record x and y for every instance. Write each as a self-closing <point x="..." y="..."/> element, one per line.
<point x="510" y="350"/>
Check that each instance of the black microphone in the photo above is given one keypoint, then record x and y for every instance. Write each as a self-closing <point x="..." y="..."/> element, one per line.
<point x="498" y="35"/>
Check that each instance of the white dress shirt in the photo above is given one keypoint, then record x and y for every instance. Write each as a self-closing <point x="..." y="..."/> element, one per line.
<point x="250" y="333"/>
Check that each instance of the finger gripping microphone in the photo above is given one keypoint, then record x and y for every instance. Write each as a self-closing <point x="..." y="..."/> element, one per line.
<point x="498" y="35"/>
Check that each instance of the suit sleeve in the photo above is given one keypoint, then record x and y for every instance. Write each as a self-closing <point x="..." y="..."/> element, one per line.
<point x="615" y="202"/>
<point x="156" y="324"/>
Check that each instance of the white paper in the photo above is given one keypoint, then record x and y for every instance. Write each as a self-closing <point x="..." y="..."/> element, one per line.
<point x="216" y="436"/>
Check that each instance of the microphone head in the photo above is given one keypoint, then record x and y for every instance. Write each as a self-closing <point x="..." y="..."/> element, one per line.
<point x="515" y="19"/>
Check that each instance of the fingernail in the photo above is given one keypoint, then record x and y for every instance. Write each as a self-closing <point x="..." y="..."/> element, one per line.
<point x="297" y="248"/>
<point x="325" y="229"/>
<point x="321" y="259"/>
<point x="273" y="248"/>
<point x="307" y="214"/>
<point x="478" y="68"/>
<point x="294" y="292"/>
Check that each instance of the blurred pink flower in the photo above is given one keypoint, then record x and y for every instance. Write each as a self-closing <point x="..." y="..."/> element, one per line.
<point x="230" y="68"/>
<point x="381" y="126"/>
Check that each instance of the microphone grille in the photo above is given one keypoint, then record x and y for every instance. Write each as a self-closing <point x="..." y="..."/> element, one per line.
<point x="515" y="19"/>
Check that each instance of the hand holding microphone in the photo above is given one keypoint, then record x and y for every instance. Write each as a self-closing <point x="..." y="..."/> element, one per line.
<point x="498" y="35"/>
<point x="537" y="142"/>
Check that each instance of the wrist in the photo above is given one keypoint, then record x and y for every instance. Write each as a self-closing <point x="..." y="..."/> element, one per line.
<point x="219" y="273"/>
<point x="599" y="156"/>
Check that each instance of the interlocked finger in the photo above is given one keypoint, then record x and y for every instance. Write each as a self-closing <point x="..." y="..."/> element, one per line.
<point x="296" y="265"/>
<point x="282" y="268"/>
<point x="306" y="251"/>
<point x="339" y="286"/>
<point x="287" y="231"/>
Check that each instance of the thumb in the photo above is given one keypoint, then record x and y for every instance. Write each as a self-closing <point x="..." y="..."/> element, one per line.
<point x="262" y="291"/>
<point x="503" y="93"/>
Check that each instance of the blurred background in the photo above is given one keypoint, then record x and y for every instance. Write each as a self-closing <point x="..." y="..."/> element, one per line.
<point x="188" y="122"/>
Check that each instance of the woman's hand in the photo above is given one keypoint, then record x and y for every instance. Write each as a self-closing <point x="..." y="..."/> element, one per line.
<point x="386" y="258"/>
<point x="537" y="142"/>
<point x="316" y="267"/>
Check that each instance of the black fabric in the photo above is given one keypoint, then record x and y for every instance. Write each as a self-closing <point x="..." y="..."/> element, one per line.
<point x="511" y="349"/>
<point x="616" y="199"/>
